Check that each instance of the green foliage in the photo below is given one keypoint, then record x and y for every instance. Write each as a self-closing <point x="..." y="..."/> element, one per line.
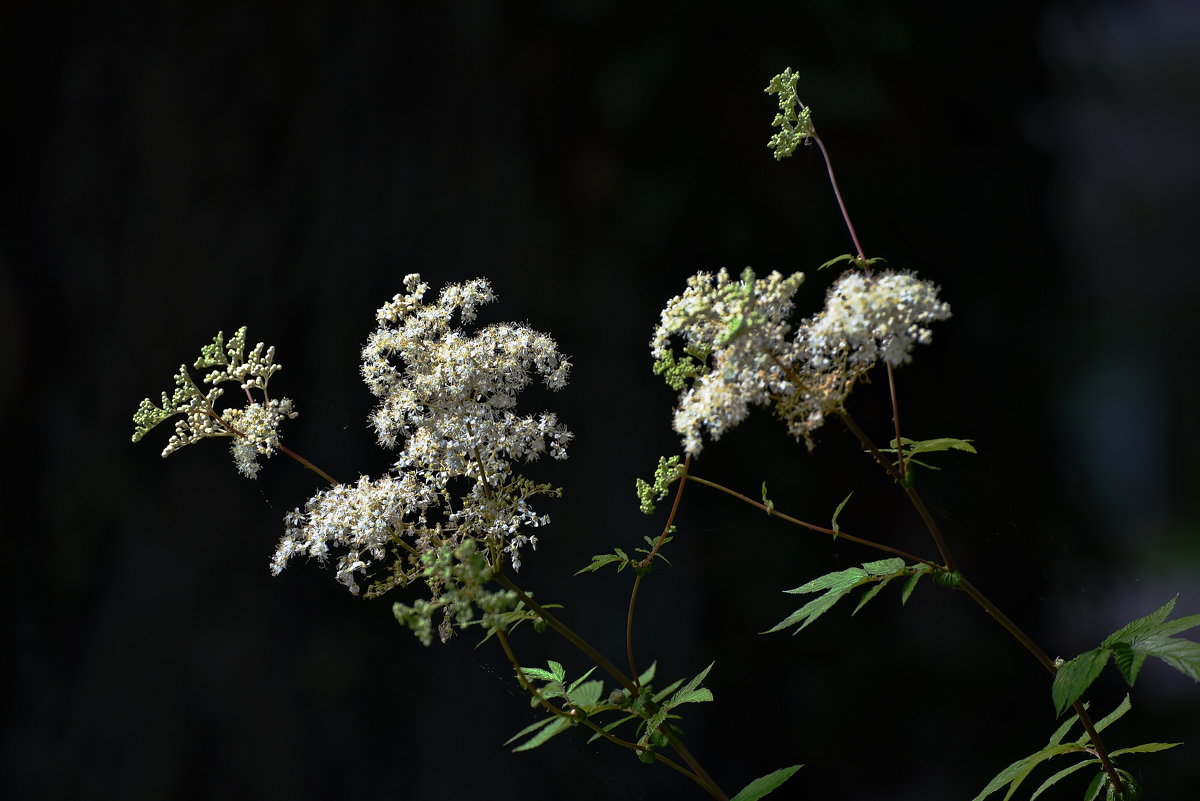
<point x="1129" y="646"/>
<point x="910" y="448"/>
<point x="765" y="784"/>
<point x="794" y="119"/>
<point x="857" y="261"/>
<point x="1016" y="773"/>
<point x="690" y="693"/>
<point x="838" y="584"/>
<point x="581" y="699"/>
<point x="649" y="493"/>
<point x="623" y="560"/>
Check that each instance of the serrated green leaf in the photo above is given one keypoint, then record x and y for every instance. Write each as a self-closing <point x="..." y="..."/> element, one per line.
<point x="557" y="726"/>
<point x="1094" y="787"/>
<point x="532" y="727"/>
<point x="648" y="674"/>
<point x="1016" y="773"/>
<point x="884" y="567"/>
<point x="580" y="680"/>
<point x="1144" y="748"/>
<point x="1130" y="630"/>
<point x="691" y="685"/>
<point x="811" y="610"/>
<point x="838" y="511"/>
<point x="940" y="444"/>
<point x="1129" y="661"/>
<point x="765" y="784"/>
<point x="836" y="580"/>
<point x="871" y="593"/>
<point x="836" y="259"/>
<point x="911" y="585"/>
<point x="599" y="561"/>
<point x="539" y="674"/>
<point x="1073" y="678"/>
<point x="1062" y="730"/>
<point x="1062" y="774"/>
<point x="557" y="669"/>
<point x="1183" y="655"/>
<point x="1111" y="717"/>
<point x="588" y="694"/>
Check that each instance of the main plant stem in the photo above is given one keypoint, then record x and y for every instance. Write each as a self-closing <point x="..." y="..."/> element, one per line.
<point x="898" y="470"/>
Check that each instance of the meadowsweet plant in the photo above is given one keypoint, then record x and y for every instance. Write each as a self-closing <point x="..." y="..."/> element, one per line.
<point x="455" y="516"/>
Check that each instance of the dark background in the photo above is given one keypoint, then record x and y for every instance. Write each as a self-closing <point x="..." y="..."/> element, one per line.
<point x="172" y="171"/>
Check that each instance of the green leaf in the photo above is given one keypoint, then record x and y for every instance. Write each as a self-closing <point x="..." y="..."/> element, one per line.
<point x="1144" y="748"/>
<point x="1062" y="774"/>
<point x="1017" y="772"/>
<point x="1183" y="655"/>
<point x="836" y="585"/>
<point x="1130" y="631"/>
<point x="884" y="567"/>
<point x="836" y="259"/>
<point x="1094" y="787"/>
<point x="939" y="444"/>
<point x="838" y="511"/>
<point x="1110" y="718"/>
<point x="1073" y="678"/>
<point x="1129" y="661"/>
<point x="580" y="681"/>
<point x="765" y="784"/>
<point x="871" y="593"/>
<point x="647" y="675"/>
<point x="556" y="726"/>
<point x="600" y="560"/>
<point x="538" y="673"/>
<point x="911" y="584"/>
<point x="1062" y="730"/>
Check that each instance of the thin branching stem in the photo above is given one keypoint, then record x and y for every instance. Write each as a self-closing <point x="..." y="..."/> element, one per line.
<point x="838" y="194"/>
<point x="839" y="534"/>
<point x="710" y="786"/>
<point x="637" y="581"/>
<point x="562" y="713"/>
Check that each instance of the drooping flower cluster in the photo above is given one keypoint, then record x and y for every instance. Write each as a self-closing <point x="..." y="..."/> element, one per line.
<point x="254" y="428"/>
<point x="448" y="396"/>
<point x="737" y="353"/>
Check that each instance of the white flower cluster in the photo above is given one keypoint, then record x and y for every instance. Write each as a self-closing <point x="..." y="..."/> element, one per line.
<point x="449" y="396"/>
<point x="740" y="329"/>
<point x="871" y="318"/>
<point x="254" y="428"/>
<point x="738" y="332"/>
<point x="259" y="427"/>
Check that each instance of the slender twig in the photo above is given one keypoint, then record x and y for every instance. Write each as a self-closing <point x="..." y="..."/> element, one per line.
<point x="913" y="496"/>
<point x="773" y="512"/>
<point x="901" y="465"/>
<point x="838" y="194"/>
<point x="644" y="563"/>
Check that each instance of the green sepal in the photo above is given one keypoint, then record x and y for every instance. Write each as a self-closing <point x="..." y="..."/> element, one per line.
<point x="765" y="784"/>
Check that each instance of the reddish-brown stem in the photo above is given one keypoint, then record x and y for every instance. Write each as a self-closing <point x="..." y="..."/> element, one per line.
<point x="838" y="194"/>
<point x="901" y="466"/>
<point x="839" y="534"/>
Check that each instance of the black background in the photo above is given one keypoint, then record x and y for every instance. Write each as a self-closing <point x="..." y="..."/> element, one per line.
<point x="174" y="170"/>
